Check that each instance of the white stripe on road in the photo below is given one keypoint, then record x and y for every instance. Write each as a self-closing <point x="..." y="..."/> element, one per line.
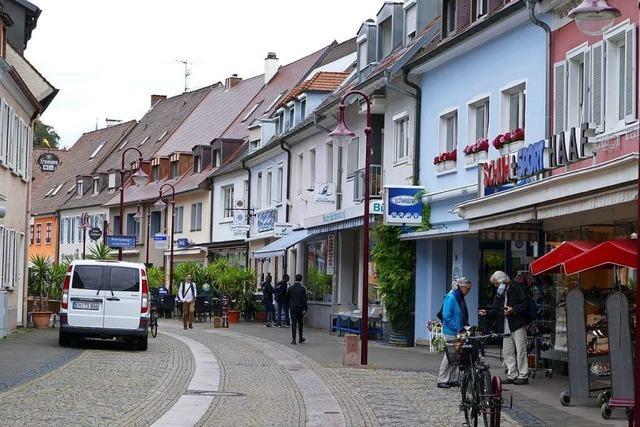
<point x="322" y="407"/>
<point x="189" y="408"/>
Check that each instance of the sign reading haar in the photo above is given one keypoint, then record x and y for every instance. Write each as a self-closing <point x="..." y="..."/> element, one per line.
<point x="562" y="149"/>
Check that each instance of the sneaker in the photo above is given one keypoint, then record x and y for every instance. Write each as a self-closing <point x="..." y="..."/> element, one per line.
<point x="521" y="381"/>
<point x="508" y="381"/>
<point x="302" y="340"/>
<point x="453" y="384"/>
<point x="293" y="342"/>
<point x="190" y="326"/>
<point x="443" y="385"/>
<point x="267" y="325"/>
<point x="277" y="324"/>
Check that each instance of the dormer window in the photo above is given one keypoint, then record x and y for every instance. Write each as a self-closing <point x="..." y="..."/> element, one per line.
<point x="362" y="55"/>
<point x="112" y="181"/>
<point x="216" y="158"/>
<point x="155" y="172"/>
<point x="79" y="187"/>
<point x="174" y="169"/>
<point x="281" y="121"/>
<point x="96" y="185"/>
<point x="449" y="24"/>
<point x="255" y="144"/>
<point x="197" y="164"/>
<point x="385" y="38"/>
<point x="480" y="8"/>
<point x="292" y="117"/>
<point x="410" y="21"/>
<point x="303" y="108"/>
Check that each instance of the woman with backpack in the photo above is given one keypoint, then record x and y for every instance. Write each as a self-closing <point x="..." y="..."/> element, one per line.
<point x="511" y="309"/>
<point x="455" y="316"/>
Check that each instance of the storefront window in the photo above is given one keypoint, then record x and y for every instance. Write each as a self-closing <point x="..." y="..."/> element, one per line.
<point x="319" y="283"/>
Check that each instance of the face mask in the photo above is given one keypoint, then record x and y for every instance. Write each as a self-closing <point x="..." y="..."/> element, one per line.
<point x="501" y="288"/>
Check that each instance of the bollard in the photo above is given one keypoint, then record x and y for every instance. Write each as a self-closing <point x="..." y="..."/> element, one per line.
<point x="350" y="356"/>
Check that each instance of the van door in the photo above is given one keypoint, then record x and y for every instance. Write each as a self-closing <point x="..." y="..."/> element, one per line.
<point x="122" y="298"/>
<point x="86" y="302"/>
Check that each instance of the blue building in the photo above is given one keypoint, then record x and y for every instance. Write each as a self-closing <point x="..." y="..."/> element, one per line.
<point x="472" y="91"/>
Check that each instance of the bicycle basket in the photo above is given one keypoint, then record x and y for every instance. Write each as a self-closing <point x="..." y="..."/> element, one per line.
<point x="453" y="353"/>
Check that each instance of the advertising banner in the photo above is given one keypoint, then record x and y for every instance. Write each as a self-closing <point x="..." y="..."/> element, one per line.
<point x="403" y="205"/>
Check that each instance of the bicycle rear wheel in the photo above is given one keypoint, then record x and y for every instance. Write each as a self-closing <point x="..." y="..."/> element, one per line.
<point x="466" y="397"/>
<point x="154" y="327"/>
<point x="485" y="389"/>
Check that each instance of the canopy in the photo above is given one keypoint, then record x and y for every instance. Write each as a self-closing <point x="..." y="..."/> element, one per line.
<point x="279" y="247"/>
<point x="618" y="252"/>
<point x="559" y="255"/>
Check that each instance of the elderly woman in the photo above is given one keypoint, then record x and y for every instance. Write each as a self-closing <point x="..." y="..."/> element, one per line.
<point x="508" y="307"/>
<point x="455" y="317"/>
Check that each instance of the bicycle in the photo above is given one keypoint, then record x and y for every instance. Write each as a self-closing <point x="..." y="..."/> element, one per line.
<point x="153" y="321"/>
<point x="480" y="395"/>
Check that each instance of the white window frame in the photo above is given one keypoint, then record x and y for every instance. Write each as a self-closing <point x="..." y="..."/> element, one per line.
<point x="227" y="200"/>
<point x="484" y="100"/>
<point x="443" y="136"/>
<point x="401" y="148"/>
<point x="362" y="53"/>
<point x="505" y="105"/>
<point x="179" y="218"/>
<point x="279" y="184"/>
<point x="162" y="136"/>
<point x="447" y="24"/>
<point x="574" y="116"/>
<point x="196" y="216"/>
<point x="95" y="187"/>
<point x="611" y="105"/>
<point x="481" y="8"/>
<point x="269" y="187"/>
<point x="258" y="201"/>
<point x="79" y="187"/>
<point x="329" y="161"/>
<point x="410" y="25"/>
<point x="301" y="174"/>
<point x="353" y="158"/>
<point x="312" y="169"/>
<point x="302" y="106"/>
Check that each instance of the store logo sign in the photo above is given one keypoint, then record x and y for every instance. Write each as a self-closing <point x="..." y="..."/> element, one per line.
<point x="403" y="205"/>
<point x="404" y="200"/>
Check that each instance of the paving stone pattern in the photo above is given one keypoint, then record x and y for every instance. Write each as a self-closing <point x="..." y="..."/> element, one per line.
<point x="106" y="385"/>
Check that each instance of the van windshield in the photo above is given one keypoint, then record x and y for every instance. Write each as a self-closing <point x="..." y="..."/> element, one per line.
<point x="98" y="277"/>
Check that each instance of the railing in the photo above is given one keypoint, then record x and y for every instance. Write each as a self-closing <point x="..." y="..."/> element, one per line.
<point x="375" y="189"/>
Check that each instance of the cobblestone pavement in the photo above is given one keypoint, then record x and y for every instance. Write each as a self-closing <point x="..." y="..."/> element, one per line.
<point x="106" y="385"/>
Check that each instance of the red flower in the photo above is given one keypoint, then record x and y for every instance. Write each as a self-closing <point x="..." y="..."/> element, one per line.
<point x="518" y="134"/>
<point x="497" y="142"/>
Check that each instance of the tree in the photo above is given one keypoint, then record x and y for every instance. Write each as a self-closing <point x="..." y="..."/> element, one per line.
<point x="41" y="132"/>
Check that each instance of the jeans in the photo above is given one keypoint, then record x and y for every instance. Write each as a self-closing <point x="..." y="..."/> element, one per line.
<point x="296" y="321"/>
<point x="268" y="312"/>
<point x="280" y="307"/>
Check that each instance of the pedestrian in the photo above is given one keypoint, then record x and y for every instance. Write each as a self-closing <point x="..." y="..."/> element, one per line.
<point x="267" y="300"/>
<point x="509" y="306"/>
<point x="297" y="300"/>
<point x="281" y="301"/>
<point x="455" y="316"/>
<point x="187" y="296"/>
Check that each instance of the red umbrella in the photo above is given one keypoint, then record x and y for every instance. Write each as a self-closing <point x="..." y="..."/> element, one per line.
<point x="559" y="255"/>
<point x="618" y="252"/>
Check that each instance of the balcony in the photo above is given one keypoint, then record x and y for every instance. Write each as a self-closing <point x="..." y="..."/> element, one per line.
<point x="375" y="189"/>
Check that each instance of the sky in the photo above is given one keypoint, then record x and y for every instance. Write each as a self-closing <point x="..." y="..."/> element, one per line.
<point x="108" y="57"/>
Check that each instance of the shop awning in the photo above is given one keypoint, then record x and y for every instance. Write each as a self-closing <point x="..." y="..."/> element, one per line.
<point x="559" y="255"/>
<point x="623" y="253"/>
<point x="279" y="247"/>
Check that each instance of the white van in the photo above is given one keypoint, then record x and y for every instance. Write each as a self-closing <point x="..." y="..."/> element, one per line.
<point x="105" y="299"/>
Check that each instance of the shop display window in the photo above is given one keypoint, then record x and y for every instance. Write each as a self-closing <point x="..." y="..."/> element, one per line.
<point x="318" y="283"/>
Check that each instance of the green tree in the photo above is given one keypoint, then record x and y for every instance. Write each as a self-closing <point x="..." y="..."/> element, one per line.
<point x="43" y="131"/>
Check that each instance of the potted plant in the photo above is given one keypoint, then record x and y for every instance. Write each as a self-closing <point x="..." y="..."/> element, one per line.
<point x="259" y="312"/>
<point x="476" y="152"/>
<point x="233" y="282"/>
<point x="40" y="285"/>
<point x="446" y="161"/>
<point x="100" y="252"/>
<point x="509" y="142"/>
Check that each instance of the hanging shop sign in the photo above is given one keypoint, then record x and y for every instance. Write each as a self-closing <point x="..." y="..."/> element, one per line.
<point x="48" y="162"/>
<point x="282" y="229"/>
<point x="161" y="241"/>
<point x="562" y="149"/>
<point x="331" y="247"/>
<point x="325" y="193"/>
<point x="266" y="220"/>
<point x="403" y="205"/>
<point x="95" y="233"/>
<point x="183" y="243"/>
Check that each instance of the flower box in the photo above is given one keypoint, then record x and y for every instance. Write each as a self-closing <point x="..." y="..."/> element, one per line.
<point x="445" y="161"/>
<point x="473" y="158"/>
<point x="509" y="142"/>
<point x="511" y="147"/>
<point x="446" y="165"/>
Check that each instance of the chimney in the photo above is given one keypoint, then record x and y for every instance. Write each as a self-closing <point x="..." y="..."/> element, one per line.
<point x="156" y="98"/>
<point x="270" y="66"/>
<point x="232" y="81"/>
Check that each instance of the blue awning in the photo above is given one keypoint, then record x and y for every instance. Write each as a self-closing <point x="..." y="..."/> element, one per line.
<point x="280" y="246"/>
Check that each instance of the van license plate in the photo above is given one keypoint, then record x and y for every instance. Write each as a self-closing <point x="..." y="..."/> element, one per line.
<point x="86" y="306"/>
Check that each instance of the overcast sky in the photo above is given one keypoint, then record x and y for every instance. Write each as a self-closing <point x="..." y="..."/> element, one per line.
<point x="108" y="57"/>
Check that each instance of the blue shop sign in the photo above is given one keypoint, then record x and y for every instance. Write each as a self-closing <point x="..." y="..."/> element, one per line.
<point x="266" y="220"/>
<point x="118" y="242"/>
<point x="183" y="243"/>
<point x="403" y="205"/>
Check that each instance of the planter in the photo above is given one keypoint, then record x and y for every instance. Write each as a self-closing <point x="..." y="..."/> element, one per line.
<point x="481" y="156"/>
<point x="511" y="147"/>
<point x="399" y="339"/>
<point x="446" y="165"/>
<point x="260" y="316"/>
<point x="234" y="316"/>
<point x="41" y="319"/>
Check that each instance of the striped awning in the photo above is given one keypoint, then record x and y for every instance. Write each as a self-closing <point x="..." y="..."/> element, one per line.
<point x="337" y="226"/>
<point x="280" y="246"/>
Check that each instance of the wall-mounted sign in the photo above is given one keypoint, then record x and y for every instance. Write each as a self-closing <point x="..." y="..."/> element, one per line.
<point x="183" y="243"/>
<point x="48" y="162"/>
<point x="331" y="255"/>
<point x="403" y="205"/>
<point x="239" y="217"/>
<point x="95" y="233"/>
<point x="118" y="242"/>
<point x="266" y="219"/>
<point x="376" y="207"/>
<point x="325" y="193"/>
<point x="161" y="241"/>
<point x="282" y="229"/>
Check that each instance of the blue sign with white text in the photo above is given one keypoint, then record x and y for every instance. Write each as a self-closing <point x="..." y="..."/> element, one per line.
<point x="118" y="242"/>
<point x="403" y="205"/>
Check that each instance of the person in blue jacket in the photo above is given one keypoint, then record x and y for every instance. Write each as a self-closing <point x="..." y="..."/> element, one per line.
<point x="455" y="317"/>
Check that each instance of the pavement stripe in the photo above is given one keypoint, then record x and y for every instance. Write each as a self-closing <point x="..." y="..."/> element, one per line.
<point x="322" y="407"/>
<point x="190" y="407"/>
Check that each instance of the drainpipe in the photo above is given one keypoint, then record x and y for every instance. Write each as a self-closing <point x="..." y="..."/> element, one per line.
<point x="317" y="124"/>
<point x="283" y="146"/>
<point x="246" y="256"/>
<point x="210" y="179"/>
<point x="416" y="132"/>
<point x="531" y="4"/>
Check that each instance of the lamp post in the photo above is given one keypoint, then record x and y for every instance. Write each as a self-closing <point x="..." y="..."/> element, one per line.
<point x="160" y="205"/>
<point x="139" y="178"/>
<point x="342" y="135"/>
<point x="84" y="225"/>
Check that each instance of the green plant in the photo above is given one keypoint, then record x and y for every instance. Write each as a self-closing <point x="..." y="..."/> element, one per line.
<point x="40" y="281"/>
<point x="426" y="213"/>
<point x="318" y="283"/>
<point x="100" y="252"/>
<point x="58" y="273"/>
<point x="232" y="281"/>
<point x="395" y="263"/>
<point x="195" y="269"/>
<point x="156" y="277"/>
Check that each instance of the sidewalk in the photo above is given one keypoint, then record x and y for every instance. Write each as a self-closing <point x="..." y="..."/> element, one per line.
<point x="535" y="404"/>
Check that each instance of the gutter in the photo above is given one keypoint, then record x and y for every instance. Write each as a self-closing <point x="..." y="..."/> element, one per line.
<point x="210" y="179"/>
<point x="416" y="132"/>
<point x="283" y="146"/>
<point x="531" y="5"/>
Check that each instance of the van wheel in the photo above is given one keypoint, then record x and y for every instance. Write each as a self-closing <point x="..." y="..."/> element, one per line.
<point x="142" y="343"/>
<point x="64" y="340"/>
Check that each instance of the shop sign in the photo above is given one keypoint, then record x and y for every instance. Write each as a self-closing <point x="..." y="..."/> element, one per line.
<point x="95" y="233"/>
<point x="266" y="220"/>
<point x="334" y="216"/>
<point x="331" y="245"/>
<point x="183" y="243"/>
<point x="161" y="241"/>
<point x="562" y="149"/>
<point x="118" y="242"/>
<point x="403" y="205"/>
<point x="325" y="193"/>
<point x="282" y="229"/>
<point x="376" y="207"/>
<point x="239" y="217"/>
<point x="48" y="162"/>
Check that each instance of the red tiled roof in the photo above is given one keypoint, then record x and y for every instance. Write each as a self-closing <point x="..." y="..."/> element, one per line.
<point x="322" y="81"/>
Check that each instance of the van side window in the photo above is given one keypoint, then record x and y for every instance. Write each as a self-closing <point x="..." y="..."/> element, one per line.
<point x="125" y="279"/>
<point x="87" y="277"/>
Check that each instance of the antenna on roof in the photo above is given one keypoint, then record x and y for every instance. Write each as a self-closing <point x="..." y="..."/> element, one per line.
<point x="187" y="72"/>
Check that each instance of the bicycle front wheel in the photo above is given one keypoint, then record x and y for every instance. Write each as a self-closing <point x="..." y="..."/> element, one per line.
<point x="485" y="392"/>
<point x="154" y="328"/>
<point x="466" y="397"/>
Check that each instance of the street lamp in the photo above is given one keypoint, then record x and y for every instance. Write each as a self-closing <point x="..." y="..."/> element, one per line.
<point x="146" y="261"/>
<point x="160" y="205"/>
<point x="84" y="225"/>
<point x="342" y="135"/>
<point x="594" y="17"/>
<point x="139" y="178"/>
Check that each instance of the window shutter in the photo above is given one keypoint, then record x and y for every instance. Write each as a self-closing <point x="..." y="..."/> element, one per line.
<point x="3" y="149"/>
<point x="597" y="86"/>
<point x="586" y="110"/>
<point x="193" y="217"/>
<point x="630" y="75"/>
<point x="559" y="96"/>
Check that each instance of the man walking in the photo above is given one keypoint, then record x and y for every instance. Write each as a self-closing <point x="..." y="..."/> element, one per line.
<point x="187" y="295"/>
<point x="508" y="309"/>
<point x="297" y="299"/>
<point x="267" y="300"/>
<point x="281" y="301"/>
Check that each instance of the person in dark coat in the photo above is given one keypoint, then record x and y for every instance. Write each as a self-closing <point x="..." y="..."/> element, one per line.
<point x="267" y="300"/>
<point x="281" y="301"/>
<point x="297" y="299"/>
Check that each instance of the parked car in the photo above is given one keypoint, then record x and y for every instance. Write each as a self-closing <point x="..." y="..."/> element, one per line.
<point x="105" y="299"/>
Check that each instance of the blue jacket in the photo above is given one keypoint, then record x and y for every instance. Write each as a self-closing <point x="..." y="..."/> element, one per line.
<point x="452" y="316"/>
